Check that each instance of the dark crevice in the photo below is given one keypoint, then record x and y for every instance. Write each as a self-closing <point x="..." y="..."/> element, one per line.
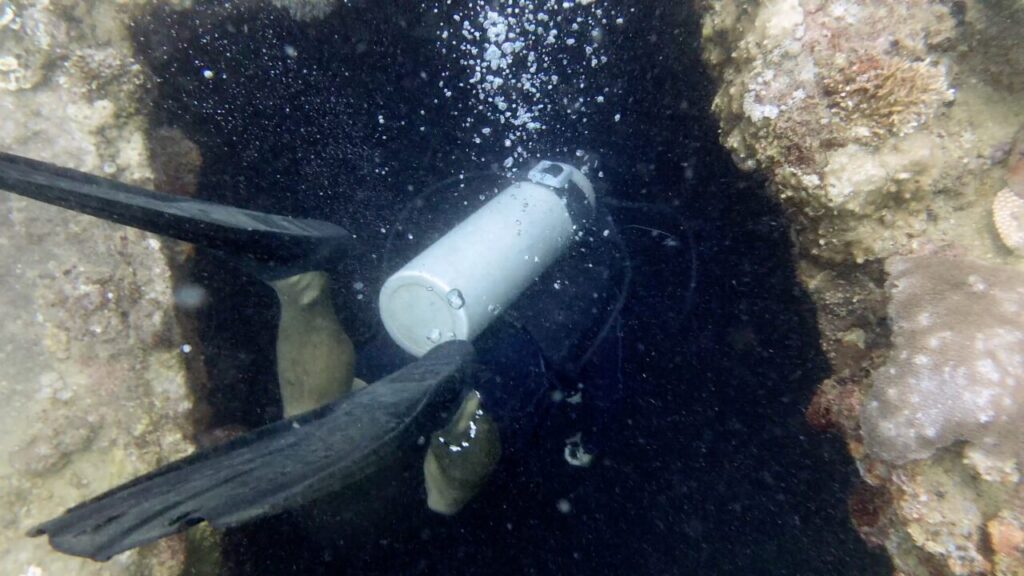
<point x="713" y="469"/>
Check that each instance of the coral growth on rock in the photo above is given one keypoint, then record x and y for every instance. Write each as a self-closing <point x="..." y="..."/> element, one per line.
<point x="859" y="112"/>
<point x="1008" y="205"/>
<point x="887" y="131"/>
<point x="956" y="368"/>
<point x="1008" y="218"/>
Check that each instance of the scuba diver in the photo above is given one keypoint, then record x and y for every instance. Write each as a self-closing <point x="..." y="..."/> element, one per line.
<point x="484" y="323"/>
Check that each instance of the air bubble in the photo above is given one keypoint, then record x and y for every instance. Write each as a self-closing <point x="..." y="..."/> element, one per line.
<point x="455" y="299"/>
<point x="190" y="296"/>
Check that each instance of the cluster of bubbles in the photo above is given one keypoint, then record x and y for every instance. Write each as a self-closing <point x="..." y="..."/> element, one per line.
<point x="526" y="62"/>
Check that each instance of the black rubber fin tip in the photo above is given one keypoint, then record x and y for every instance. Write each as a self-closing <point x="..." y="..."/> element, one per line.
<point x="263" y="237"/>
<point x="275" y="468"/>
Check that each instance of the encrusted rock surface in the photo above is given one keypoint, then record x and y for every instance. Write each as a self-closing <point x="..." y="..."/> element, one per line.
<point x="864" y="113"/>
<point x="91" y="367"/>
<point x="307" y="9"/>
<point x="956" y="370"/>
<point x="887" y="130"/>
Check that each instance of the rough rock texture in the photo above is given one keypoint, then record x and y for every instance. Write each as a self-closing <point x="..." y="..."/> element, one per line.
<point x="307" y="9"/>
<point x="863" y="113"/>
<point x="887" y="130"/>
<point x="91" y="366"/>
<point x="956" y="370"/>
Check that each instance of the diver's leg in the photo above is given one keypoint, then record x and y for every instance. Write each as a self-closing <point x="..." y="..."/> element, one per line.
<point x="314" y="355"/>
<point x="460" y="458"/>
<point x="343" y="452"/>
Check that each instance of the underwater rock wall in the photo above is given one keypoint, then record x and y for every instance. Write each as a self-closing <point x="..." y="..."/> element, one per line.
<point x="955" y="371"/>
<point x="91" y="366"/>
<point x="307" y="9"/>
<point x="890" y="131"/>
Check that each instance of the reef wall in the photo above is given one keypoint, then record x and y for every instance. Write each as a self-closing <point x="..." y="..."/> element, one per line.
<point x="92" y="356"/>
<point x="891" y="133"/>
<point x="307" y="9"/>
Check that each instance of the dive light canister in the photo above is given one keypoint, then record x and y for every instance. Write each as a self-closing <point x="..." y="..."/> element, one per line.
<point x="457" y="286"/>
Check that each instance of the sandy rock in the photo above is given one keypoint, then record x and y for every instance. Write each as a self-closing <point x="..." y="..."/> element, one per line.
<point x="93" y="377"/>
<point x="1006" y="533"/>
<point x="938" y="508"/>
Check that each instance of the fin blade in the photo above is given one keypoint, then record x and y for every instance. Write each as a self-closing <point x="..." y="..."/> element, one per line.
<point x="271" y="469"/>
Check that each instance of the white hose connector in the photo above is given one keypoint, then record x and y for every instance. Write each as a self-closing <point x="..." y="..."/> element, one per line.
<point x="457" y="286"/>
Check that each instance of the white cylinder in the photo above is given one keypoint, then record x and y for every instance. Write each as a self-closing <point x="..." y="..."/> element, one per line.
<point x="457" y="286"/>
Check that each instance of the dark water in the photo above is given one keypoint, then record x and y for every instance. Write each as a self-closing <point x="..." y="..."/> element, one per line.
<point x="705" y="465"/>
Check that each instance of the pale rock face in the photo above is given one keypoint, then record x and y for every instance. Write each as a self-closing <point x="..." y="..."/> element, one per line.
<point x="956" y="370"/>
<point x="92" y="371"/>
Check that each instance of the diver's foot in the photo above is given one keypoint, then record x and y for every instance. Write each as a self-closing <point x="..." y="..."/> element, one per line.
<point x="461" y="457"/>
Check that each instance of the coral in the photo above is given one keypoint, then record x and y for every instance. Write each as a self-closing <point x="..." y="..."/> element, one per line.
<point x="865" y="115"/>
<point x="1008" y="218"/>
<point x="886" y="130"/>
<point x="929" y="513"/>
<point x="937" y="506"/>
<point x="1008" y="205"/>
<point x="877" y="95"/>
<point x="956" y="368"/>
<point x="1006" y="533"/>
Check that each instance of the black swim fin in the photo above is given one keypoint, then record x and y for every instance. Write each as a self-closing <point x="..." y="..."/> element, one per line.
<point x="263" y="237"/>
<point x="275" y="468"/>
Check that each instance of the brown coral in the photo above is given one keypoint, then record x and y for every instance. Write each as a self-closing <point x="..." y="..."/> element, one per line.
<point x="877" y="95"/>
<point x="1006" y="537"/>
